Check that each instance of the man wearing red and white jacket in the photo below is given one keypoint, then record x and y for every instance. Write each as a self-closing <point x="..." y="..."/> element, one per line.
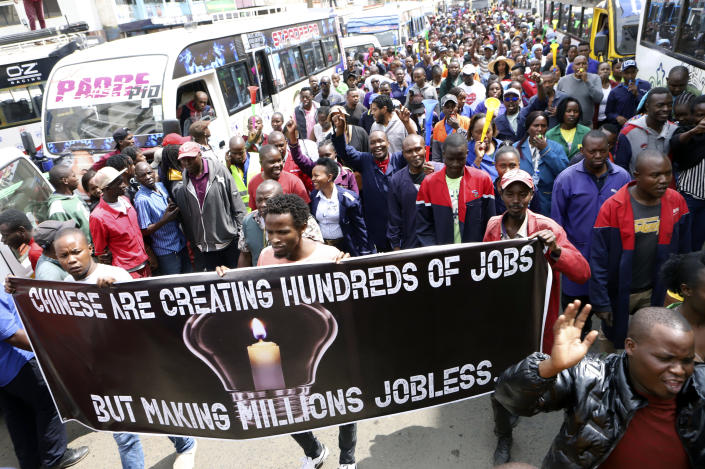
<point x="517" y="190"/>
<point x="518" y="221"/>
<point x="636" y="230"/>
<point x="454" y="204"/>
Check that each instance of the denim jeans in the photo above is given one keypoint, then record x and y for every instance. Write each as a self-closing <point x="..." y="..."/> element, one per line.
<point x="175" y="263"/>
<point x="347" y="439"/>
<point x="130" y="448"/>
<point x="696" y="207"/>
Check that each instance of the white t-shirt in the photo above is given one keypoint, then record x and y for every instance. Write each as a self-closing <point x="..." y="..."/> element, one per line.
<point x="103" y="270"/>
<point x="475" y="93"/>
<point x="603" y="104"/>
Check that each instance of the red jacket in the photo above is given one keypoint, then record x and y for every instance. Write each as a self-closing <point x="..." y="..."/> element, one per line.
<point x="570" y="263"/>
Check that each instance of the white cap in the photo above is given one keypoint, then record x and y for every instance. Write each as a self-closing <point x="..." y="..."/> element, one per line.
<point x="469" y="69"/>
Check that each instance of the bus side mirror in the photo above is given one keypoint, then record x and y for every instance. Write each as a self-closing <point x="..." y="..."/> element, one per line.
<point x="600" y="46"/>
<point x="171" y="126"/>
<point x="28" y="143"/>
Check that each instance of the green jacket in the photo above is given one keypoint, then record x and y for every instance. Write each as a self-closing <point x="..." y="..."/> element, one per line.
<point x="70" y="207"/>
<point x="555" y="135"/>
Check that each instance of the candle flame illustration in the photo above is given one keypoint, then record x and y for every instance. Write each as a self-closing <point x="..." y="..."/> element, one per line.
<point x="258" y="329"/>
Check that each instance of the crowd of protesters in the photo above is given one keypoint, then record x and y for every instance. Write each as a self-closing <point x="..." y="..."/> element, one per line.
<point x="403" y="151"/>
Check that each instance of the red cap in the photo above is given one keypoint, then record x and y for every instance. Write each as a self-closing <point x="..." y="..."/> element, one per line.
<point x="174" y="139"/>
<point x="189" y="150"/>
<point x="516" y="175"/>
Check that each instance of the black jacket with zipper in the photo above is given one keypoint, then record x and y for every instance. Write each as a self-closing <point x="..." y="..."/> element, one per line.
<point x="599" y="402"/>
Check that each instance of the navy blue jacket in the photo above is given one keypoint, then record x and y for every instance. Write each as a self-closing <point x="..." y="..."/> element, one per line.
<point x="575" y="204"/>
<point x="504" y="130"/>
<point x="401" y="230"/>
<point x="375" y="187"/>
<point x="355" y="240"/>
<point x="612" y="255"/>
<point x="553" y="161"/>
<point x="621" y="102"/>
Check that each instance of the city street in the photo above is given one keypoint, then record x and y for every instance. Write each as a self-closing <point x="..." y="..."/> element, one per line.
<point x="453" y="436"/>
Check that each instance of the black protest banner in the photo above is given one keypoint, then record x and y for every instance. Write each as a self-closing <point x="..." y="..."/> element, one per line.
<point x="282" y="349"/>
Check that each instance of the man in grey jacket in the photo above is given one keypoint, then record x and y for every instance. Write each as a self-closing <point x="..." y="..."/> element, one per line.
<point x="583" y="86"/>
<point x="211" y="209"/>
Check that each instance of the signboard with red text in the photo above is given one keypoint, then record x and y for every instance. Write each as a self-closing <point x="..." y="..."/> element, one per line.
<point x="288" y="348"/>
<point x="107" y="81"/>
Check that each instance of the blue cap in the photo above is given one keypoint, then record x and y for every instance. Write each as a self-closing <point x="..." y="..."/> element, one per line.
<point x="628" y="63"/>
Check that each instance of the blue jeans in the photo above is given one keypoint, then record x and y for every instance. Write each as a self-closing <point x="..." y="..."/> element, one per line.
<point x="696" y="207"/>
<point x="130" y="448"/>
<point x="175" y="263"/>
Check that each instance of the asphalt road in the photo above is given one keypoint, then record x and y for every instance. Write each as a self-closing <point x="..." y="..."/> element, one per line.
<point x="448" y="437"/>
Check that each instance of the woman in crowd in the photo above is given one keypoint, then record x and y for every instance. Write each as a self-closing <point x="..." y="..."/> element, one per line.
<point x="338" y="211"/>
<point x="494" y="90"/>
<point x="543" y="159"/>
<point x="569" y="132"/>
<point x="481" y="153"/>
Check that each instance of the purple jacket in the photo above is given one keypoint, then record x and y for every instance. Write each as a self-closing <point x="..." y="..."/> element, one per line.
<point x="575" y="205"/>
<point x="345" y="179"/>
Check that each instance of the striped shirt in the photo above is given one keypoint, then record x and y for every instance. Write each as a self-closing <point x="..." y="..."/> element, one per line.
<point x="150" y="206"/>
<point x="692" y="181"/>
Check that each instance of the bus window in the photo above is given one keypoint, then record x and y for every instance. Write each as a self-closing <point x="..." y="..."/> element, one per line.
<point x="587" y="24"/>
<point x="574" y="23"/>
<point x="565" y="18"/>
<point x="318" y="55"/>
<point x="330" y="51"/>
<point x="261" y="75"/>
<point x="691" y="40"/>
<point x="8" y="15"/>
<point x="313" y="57"/>
<point x="20" y="105"/>
<point x="292" y="65"/>
<point x="233" y="84"/>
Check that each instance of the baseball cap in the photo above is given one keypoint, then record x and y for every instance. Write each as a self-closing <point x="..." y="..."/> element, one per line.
<point x="469" y="69"/>
<point x="46" y="231"/>
<point x="513" y="91"/>
<point x="628" y="63"/>
<point x="106" y="175"/>
<point x="488" y="46"/>
<point x="442" y="49"/>
<point x="174" y="139"/>
<point x="448" y="97"/>
<point x="120" y="134"/>
<point x="516" y="175"/>
<point x="189" y="150"/>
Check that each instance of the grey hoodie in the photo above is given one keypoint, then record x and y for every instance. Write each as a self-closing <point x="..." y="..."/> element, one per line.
<point x="215" y="225"/>
<point x="637" y="136"/>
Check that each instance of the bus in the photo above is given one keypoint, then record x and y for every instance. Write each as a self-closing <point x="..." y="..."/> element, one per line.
<point x="670" y="34"/>
<point x="397" y="24"/>
<point x="24" y="69"/>
<point x="610" y="26"/>
<point x="142" y="81"/>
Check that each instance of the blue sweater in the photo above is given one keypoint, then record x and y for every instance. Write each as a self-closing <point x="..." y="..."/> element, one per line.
<point x="575" y="204"/>
<point x="553" y="161"/>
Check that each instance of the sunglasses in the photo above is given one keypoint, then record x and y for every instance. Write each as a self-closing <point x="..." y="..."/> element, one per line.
<point x="511" y="98"/>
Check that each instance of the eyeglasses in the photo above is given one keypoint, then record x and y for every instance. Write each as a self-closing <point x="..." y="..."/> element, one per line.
<point x="511" y="98"/>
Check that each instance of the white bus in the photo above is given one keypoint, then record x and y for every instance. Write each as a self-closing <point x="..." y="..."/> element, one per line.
<point x="670" y="34"/>
<point x="141" y="81"/>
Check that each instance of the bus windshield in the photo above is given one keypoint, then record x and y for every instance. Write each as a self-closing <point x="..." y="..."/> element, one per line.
<point x="87" y="102"/>
<point x="626" y="27"/>
<point x="22" y="188"/>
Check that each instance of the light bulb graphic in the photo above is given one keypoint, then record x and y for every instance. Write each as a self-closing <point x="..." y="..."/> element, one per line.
<point x="282" y="368"/>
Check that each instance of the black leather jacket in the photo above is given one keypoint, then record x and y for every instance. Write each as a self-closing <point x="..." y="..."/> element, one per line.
<point x="599" y="403"/>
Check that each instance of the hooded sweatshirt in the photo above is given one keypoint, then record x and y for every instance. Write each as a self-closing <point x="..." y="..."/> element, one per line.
<point x="637" y="136"/>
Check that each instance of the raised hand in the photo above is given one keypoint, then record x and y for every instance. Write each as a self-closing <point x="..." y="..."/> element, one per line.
<point x="292" y="132"/>
<point x="568" y="349"/>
